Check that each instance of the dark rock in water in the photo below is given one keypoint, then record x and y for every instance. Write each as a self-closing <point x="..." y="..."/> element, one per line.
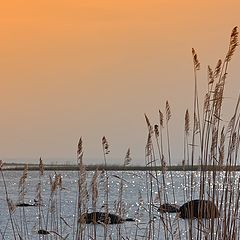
<point x="26" y="205"/>
<point x="199" y="209"/>
<point x="36" y="203"/>
<point x="43" y="232"/>
<point x="101" y="217"/>
<point x="170" y="208"/>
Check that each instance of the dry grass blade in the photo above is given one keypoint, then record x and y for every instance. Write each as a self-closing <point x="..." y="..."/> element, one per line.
<point x="221" y="147"/>
<point x="214" y="140"/>
<point x="66" y="223"/>
<point x="233" y="142"/>
<point x="147" y="120"/>
<point x="94" y="188"/>
<point x="41" y="167"/>
<point x="196" y="124"/>
<point x="231" y="124"/>
<point x="38" y="194"/>
<point x="11" y="205"/>
<point x="187" y="122"/>
<point x="175" y="227"/>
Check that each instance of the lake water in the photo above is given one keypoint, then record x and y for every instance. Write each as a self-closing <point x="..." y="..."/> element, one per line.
<point x="136" y="195"/>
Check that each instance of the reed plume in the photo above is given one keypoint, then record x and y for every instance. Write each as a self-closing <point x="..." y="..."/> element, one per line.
<point x="149" y="146"/>
<point x="105" y="145"/>
<point x="127" y="159"/>
<point x="82" y="198"/>
<point x="187" y="123"/>
<point x="156" y="130"/>
<point x="79" y="150"/>
<point x="22" y="184"/>
<point x="168" y="111"/>
<point x="150" y="128"/>
<point x="218" y="68"/>
<point x="195" y="60"/>
<point x="233" y="44"/>
<point x="210" y="75"/>
<point x="161" y="118"/>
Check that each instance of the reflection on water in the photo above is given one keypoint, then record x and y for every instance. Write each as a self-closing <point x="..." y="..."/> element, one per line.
<point x="136" y="187"/>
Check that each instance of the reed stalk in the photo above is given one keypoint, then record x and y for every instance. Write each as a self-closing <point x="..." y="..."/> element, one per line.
<point x="11" y="207"/>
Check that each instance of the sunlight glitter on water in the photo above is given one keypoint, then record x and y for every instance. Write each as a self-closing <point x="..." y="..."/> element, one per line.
<point x="135" y="206"/>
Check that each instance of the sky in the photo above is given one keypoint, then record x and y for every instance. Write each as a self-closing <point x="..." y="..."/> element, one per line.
<point x="75" y="68"/>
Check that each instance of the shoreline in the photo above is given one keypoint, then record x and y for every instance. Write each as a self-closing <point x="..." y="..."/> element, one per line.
<point x="61" y="167"/>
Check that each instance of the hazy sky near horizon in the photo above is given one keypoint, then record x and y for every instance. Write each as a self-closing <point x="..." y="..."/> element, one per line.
<point x="71" y="68"/>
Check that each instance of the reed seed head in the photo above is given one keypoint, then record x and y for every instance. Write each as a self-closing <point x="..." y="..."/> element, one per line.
<point x="24" y="176"/>
<point x="210" y="75"/>
<point x="105" y="145"/>
<point x="161" y="118"/>
<point x="168" y="111"/>
<point x="128" y="158"/>
<point x="195" y="60"/>
<point x="233" y="44"/>
<point x="1" y="164"/>
<point x="218" y="68"/>
<point x="187" y="122"/>
<point x="11" y="205"/>
<point x="150" y="128"/>
<point x="156" y="130"/>
<point x="149" y="146"/>
<point x="79" y="150"/>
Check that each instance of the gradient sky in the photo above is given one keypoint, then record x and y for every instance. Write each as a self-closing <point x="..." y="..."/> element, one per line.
<point x="93" y="68"/>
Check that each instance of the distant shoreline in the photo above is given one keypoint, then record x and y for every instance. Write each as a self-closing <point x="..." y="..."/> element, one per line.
<point x="62" y="167"/>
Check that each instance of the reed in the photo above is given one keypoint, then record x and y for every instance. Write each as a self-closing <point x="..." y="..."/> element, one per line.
<point x="22" y="191"/>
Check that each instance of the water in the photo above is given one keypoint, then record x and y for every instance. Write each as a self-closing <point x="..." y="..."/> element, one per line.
<point x="136" y="195"/>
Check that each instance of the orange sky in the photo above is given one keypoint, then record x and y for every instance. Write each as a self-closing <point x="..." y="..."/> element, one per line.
<point x="93" y="68"/>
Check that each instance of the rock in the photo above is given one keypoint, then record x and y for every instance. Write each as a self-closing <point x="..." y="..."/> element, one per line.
<point x="199" y="209"/>
<point x="43" y="232"/>
<point x="170" y="208"/>
<point x="25" y="205"/>
<point x="101" y="217"/>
